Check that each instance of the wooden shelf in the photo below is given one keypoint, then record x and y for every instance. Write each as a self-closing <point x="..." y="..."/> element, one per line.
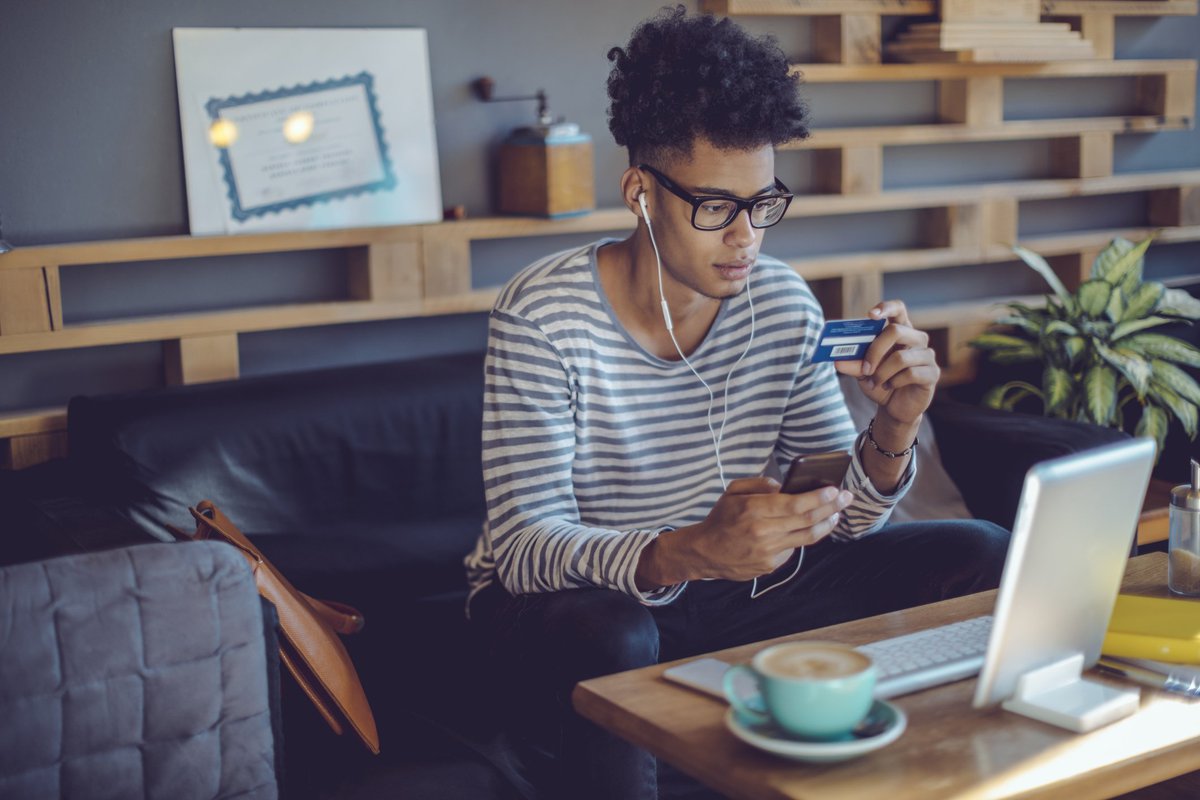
<point x="175" y="247"/>
<point x="248" y="320"/>
<point x="33" y="421"/>
<point x="935" y="196"/>
<point x="879" y="73"/>
<point x="181" y="247"/>
<point x="1052" y="8"/>
<point x="969" y="238"/>
<point x="894" y="135"/>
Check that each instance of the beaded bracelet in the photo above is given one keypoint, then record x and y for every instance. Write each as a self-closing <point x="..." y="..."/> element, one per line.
<point x="888" y="453"/>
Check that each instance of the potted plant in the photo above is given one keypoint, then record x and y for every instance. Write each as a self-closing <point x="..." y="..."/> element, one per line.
<point x="1097" y="347"/>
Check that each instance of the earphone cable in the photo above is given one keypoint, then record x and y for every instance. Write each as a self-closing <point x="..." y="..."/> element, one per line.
<point x="671" y="332"/>
<point x="754" y="592"/>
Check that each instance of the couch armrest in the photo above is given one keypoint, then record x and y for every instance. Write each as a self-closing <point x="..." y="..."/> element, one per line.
<point x="46" y="512"/>
<point x="987" y="452"/>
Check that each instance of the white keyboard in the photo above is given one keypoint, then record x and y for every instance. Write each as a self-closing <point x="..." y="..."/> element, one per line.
<point x="927" y="658"/>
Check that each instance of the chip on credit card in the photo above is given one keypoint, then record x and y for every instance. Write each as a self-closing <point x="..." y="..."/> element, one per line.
<point x="846" y="339"/>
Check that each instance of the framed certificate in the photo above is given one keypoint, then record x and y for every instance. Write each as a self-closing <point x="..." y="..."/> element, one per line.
<point x="306" y="129"/>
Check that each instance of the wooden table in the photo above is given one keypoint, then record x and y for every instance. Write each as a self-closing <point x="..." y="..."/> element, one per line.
<point x="950" y="750"/>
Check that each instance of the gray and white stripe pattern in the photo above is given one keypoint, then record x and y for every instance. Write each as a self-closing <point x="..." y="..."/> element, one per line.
<point x="592" y="446"/>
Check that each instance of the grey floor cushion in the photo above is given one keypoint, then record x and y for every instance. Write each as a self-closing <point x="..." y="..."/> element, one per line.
<point x="134" y="673"/>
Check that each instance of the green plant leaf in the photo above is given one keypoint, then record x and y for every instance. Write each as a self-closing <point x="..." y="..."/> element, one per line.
<point x="1023" y="323"/>
<point x="1135" y="325"/>
<point x="1093" y="297"/>
<point x="1175" y="379"/>
<point x="1100" y="393"/>
<point x="1026" y="310"/>
<point x="1073" y="347"/>
<point x="1108" y="256"/>
<point x="1058" y="385"/>
<point x="1168" y="348"/>
<point x="1096" y="329"/>
<point x="1178" y="303"/>
<point x="995" y="341"/>
<point x="1116" y="304"/>
<point x="1061" y="326"/>
<point x="1006" y="396"/>
<point x="1153" y="423"/>
<point x="1043" y="268"/>
<point x="1143" y="301"/>
<point x="1120" y="259"/>
<point x="1184" y="411"/>
<point x="1016" y="355"/>
<point x="1132" y="367"/>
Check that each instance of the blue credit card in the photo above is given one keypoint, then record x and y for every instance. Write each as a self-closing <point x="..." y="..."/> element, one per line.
<point x="846" y="339"/>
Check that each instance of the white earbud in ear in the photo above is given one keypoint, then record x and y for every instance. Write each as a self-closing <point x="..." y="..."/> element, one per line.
<point x="666" y="311"/>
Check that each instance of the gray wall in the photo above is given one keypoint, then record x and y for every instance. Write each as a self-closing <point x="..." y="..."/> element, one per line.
<point x="89" y="149"/>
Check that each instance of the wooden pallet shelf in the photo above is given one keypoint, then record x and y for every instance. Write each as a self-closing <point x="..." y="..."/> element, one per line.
<point x="899" y="135"/>
<point x="851" y="160"/>
<point x="425" y="270"/>
<point x="968" y="223"/>
<point x="924" y="8"/>
<point x="877" y="73"/>
<point x="955" y="323"/>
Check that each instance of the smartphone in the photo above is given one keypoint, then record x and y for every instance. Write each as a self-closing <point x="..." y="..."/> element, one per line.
<point x="817" y="470"/>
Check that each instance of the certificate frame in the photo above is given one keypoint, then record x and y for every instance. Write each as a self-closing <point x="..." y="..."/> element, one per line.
<point x="377" y="163"/>
<point x="364" y="79"/>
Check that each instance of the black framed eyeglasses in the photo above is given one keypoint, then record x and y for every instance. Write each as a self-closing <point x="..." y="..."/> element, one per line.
<point x="711" y="212"/>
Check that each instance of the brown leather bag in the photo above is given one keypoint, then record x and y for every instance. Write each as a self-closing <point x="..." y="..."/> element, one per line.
<point x="308" y="644"/>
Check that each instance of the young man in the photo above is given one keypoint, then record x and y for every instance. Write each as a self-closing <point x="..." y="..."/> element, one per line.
<point x="638" y="392"/>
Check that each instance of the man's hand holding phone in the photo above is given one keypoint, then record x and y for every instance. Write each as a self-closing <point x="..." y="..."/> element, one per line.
<point x="814" y="471"/>
<point x="752" y="530"/>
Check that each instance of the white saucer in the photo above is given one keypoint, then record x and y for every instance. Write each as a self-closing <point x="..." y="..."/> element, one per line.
<point x="772" y="739"/>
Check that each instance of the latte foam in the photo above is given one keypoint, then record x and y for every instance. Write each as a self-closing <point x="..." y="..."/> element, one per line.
<point x="813" y="661"/>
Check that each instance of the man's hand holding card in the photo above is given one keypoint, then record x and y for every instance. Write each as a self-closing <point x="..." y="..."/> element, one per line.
<point x="892" y="360"/>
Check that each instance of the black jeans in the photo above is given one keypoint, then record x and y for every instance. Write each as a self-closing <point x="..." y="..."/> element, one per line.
<point x="543" y="644"/>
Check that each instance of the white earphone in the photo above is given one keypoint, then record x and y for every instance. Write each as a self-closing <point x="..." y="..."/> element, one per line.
<point x="666" y="311"/>
<point x="716" y="436"/>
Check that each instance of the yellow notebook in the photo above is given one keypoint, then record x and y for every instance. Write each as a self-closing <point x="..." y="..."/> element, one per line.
<point x="1160" y="628"/>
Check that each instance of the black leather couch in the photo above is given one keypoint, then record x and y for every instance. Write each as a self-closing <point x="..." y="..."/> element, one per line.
<point x="363" y="484"/>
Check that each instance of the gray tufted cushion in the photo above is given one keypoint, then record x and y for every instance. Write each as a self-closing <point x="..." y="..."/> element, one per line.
<point x="134" y="673"/>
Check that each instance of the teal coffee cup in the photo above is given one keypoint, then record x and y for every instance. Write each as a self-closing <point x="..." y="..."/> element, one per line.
<point x="815" y="690"/>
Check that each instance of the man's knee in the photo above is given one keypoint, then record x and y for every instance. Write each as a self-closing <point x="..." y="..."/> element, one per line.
<point x="601" y="631"/>
<point x="980" y="543"/>
<point x="969" y="554"/>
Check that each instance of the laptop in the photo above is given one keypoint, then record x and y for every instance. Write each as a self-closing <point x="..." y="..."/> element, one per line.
<point x="1073" y="533"/>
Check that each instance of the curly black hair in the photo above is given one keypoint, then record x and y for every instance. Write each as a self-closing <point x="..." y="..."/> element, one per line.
<point x="683" y="78"/>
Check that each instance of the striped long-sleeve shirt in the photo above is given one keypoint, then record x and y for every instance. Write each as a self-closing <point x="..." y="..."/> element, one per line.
<point x="592" y="446"/>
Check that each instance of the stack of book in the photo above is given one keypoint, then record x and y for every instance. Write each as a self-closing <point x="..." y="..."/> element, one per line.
<point x="1155" y="641"/>
<point x="992" y="42"/>
<point x="989" y="31"/>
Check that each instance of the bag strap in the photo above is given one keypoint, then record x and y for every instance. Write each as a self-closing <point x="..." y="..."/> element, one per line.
<point x="343" y="618"/>
<point x="309" y="647"/>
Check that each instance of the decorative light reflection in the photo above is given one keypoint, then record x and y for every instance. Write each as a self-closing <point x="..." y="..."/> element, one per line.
<point x="223" y="133"/>
<point x="298" y="126"/>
